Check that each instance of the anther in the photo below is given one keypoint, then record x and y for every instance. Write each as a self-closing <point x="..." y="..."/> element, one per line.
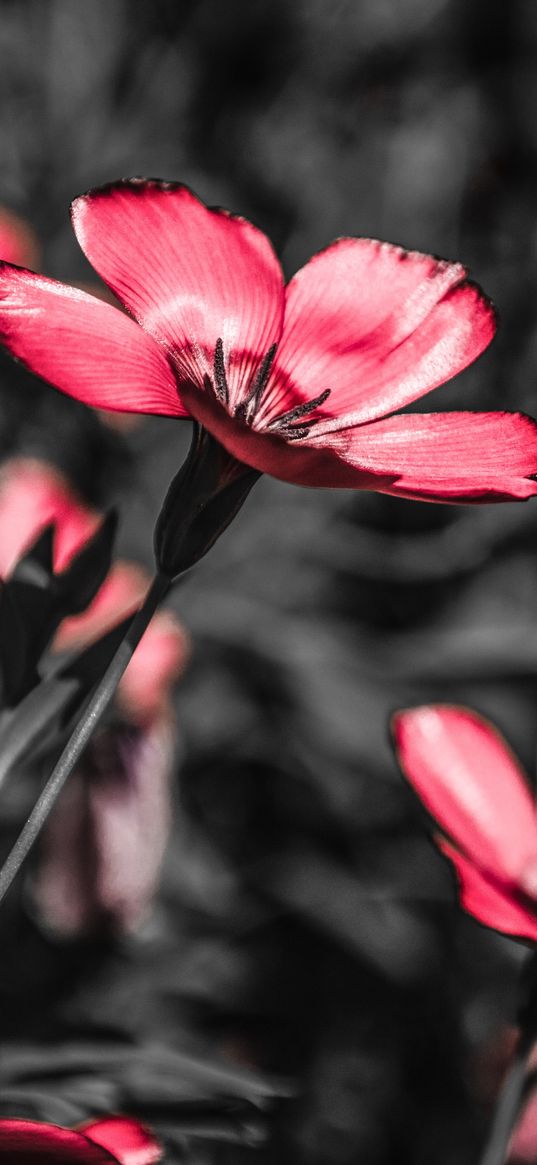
<point x="285" y="421"/>
<point x="220" y="381"/>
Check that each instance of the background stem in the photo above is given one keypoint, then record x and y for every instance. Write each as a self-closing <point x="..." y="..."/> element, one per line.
<point x="76" y="744"/>
<point x="508" y="1107"/>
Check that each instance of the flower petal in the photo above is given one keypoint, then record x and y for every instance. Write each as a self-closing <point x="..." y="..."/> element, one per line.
<point x="121" y="593"/>
<point x="471" y="783"/>
<point x="155" y="666"/>
<point x="491" y="903"/>
<point x="447" y="457"/>
<point x="18" y="241"/>
<point x="32" y="495"/>
<point x="378" y="326"/>
<point x="85" y="347"/>
<point x="190" y="275"/>
<point x="129" y="1142"/>
<point x="25" y="1141"/>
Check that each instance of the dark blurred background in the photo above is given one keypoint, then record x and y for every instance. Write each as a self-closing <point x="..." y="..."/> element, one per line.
<point x="306" y="929"/>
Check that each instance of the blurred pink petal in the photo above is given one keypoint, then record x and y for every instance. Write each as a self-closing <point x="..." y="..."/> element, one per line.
<point x="493" y="903"/>
<point x="32" y="495"/>
<point x="470" y="782"/>
<point x="120" y="595"/>
<point x="159" y="658"/>
<point x="124" y="1141"/>
<point x="156" y="665"/>
<point x="18" y="241"/>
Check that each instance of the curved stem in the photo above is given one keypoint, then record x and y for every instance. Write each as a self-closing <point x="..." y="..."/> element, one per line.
<point x="511" y="1096"/>
<point x="76" y="744"/>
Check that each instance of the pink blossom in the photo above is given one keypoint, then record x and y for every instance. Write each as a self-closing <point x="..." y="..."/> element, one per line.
<point x="99" y="1142"/>
<point x="302" y="381"/>
<point x="473" y="787"/>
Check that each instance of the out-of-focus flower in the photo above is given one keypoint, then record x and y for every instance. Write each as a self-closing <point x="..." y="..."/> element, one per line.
<point x="472" y="785"/>
<point x="102" y="848"/>
<point x="54" y="556"/>
<point x="18" y="241"/>
<point x="111" y="1139"/>
<point x="158" y="660"/>
<point x="302" y="381"/>
<point x="32" y="496"/>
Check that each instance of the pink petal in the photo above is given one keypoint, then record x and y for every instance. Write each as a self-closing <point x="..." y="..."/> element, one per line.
<point x="125" y="1139"/>
<point x="121" y="593"/>
<point x="492" y="904"/>
<point x="189" y="275"/>
<point x="471" y="783"/>
<point x="32" y="495"/>
<point x="440" y="456"/>
<point x="85" y="347"/>
<point x="18" y="241"/>
<point x="155" y="666"/>
<point x="25" y="1141"/>
<point x="378" y="326"/>
<point x="161" y="655"/>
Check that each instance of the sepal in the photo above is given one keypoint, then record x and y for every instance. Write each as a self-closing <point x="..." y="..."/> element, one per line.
<point x="204" y="497"/>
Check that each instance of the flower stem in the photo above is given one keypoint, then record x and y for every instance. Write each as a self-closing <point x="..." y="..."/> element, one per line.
<point x="509" y="1104"/>
<point x="76" y="744"/>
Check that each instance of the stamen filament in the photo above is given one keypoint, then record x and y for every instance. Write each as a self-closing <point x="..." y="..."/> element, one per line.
<point x="248" y="408"/>
<point x="299" y="411"/>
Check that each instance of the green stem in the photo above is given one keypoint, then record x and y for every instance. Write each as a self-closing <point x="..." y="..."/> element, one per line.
<point x="79" y="738"/>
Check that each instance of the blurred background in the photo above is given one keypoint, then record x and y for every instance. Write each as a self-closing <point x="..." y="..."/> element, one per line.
<point x="304" y="969"/>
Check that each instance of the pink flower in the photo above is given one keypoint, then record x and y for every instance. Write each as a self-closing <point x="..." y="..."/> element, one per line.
<point x="304" y="381"/>
<point x="111" y="1139"/>
<point x="472" y="785"/>
<point x="113" y="818"/>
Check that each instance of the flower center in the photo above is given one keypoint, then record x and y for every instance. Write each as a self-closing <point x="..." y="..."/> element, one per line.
<point x="285" y="425"/>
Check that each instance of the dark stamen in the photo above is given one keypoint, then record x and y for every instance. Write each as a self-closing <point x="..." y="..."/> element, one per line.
<point x="220" y="382"/>
<point x="285" y="420"/>
<point x="294" y="432"/>
<point x="249" y="407"/>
